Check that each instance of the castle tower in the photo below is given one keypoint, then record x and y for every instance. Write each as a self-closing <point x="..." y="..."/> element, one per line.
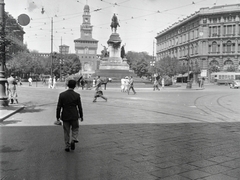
<point x="86" y="46"/>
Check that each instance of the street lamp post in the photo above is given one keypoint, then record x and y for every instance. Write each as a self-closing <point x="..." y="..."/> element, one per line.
<point x="152" y="64"/>
<point x="189" y="83"/>
<point x="3" y="81"/>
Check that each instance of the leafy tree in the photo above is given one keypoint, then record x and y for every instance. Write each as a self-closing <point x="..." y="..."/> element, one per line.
<point x="182" y="69"/>
<point x="141" y="67"/>
<point x="134" y="57"/>
<point x="167" y="66"/>
<point x="139" y="62"/>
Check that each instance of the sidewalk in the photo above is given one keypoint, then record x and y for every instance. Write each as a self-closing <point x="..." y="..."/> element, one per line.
<point x="7" y="111"/>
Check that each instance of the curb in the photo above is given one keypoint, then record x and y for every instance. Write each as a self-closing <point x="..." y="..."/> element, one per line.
<point x="11" y="113"/>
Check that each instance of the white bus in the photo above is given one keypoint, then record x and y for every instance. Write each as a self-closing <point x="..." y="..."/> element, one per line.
<point x="224" y="77"/>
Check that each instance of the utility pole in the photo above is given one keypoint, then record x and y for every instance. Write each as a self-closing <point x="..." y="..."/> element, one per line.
<point x="52" y="51"/>
<point x="61" y="61"/>
<point x="3" y="81"/>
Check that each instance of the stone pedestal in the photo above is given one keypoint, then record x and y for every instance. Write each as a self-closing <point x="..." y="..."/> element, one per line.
<point x="114" y="65"/>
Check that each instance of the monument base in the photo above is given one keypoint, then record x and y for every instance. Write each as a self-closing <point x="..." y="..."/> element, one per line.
<point x="114" y="73"/>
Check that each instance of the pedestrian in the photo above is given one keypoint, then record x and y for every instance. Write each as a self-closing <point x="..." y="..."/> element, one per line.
<point x="126" y="84"/>
<point x="12" y="89"/>
<point x="93" y="82"/>
<point x="163" y="83"/>
<point x="122" y="84"/>
<point x="199" y="82"/>
<point x="105" y="83"/>
<point x="50" y="82"/>
<point x="202" y="82"/>
<point x="69" y="110"/>
<point x="131" y="85"/>
<point x="155" y="85"/>
<point x="54" y="82"/>
<point x="30" y="81"/>
<point x="20" y="81"/>
<point x="99" y="92"/>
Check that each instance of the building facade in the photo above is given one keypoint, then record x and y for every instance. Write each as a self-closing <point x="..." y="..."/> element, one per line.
<point x="209" y="37"/>
<point x="64" y="49"/>
<point x="86" y="46"/>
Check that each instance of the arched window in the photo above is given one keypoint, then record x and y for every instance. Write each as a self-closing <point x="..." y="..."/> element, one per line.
<point x="214" y="47"/>
<point x="214" y="63"/>
<point x="228" y="62"/>
<point x="229" y="44"/>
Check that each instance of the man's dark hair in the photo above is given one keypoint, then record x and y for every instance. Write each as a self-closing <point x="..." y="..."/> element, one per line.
<point x="72" y="84"/>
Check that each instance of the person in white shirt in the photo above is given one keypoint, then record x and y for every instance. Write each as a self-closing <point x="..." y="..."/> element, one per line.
<point x="126" y="85"/>
<point x="30" y="81"/>
<point x="122" y="84"/>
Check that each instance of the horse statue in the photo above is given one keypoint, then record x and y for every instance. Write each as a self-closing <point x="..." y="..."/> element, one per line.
<point x="114" y="23"/>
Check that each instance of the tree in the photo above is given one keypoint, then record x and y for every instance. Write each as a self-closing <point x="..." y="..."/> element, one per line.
<point x="141" y="67"/>
<point x="139" y="62"/>
<point x="167" y="66"/>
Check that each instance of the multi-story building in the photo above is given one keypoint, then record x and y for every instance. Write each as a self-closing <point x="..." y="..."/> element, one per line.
<point x="209" y="37"/>
<point x="86" y="46"/>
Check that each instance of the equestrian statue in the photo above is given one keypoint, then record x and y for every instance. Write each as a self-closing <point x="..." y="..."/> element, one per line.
<point x="114" y="23"/>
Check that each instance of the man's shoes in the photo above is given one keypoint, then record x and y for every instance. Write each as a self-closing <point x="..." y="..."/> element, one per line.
<point x="67" y="149"/>
<point x="72" y="145"/>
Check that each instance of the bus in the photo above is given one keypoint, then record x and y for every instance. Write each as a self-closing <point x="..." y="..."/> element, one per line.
<point x="224" y="77"/>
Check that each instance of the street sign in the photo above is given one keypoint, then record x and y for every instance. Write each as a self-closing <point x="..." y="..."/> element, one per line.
<point x="23" y="19"/>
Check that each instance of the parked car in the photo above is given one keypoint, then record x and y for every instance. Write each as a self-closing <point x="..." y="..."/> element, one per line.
<point x="235" y="84"/>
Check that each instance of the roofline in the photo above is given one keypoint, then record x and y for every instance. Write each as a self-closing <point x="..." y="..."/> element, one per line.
<point x="203" y="11"/>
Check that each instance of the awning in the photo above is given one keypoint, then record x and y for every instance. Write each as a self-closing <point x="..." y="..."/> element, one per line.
<point x="184" y="75"/>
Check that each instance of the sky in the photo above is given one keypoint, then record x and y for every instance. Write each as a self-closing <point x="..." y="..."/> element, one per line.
<point x="140" y="20"/>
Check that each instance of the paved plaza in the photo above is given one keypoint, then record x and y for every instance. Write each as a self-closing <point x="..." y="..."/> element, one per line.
<point x="171" y="134"/>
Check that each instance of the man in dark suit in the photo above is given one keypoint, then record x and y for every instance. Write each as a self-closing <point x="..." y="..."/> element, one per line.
<point x="69" y="110"/>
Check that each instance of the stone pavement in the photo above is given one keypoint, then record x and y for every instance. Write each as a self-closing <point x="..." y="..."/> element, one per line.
<point x="124" y="151"/>
<point x="134" y="151"/>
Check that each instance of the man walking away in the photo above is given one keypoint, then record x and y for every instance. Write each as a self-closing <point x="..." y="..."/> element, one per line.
<point x="69" y="110"/>
<point x="131" y="85"/>
<point x="98" y="89"/>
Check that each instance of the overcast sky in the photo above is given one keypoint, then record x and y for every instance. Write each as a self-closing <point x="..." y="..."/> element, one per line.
<point x="140" y="20"/>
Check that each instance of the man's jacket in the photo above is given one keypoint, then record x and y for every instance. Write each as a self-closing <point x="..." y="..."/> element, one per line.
<point x="69" y="106"/>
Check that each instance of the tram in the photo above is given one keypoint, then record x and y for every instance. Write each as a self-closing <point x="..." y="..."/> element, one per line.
<point x="224" y="77"/>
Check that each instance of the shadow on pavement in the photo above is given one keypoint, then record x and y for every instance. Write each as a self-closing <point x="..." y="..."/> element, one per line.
<point x="10" y="122"/>
<point x="122" y="151"/>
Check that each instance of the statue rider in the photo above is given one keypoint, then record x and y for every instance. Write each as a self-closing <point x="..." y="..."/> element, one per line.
<point x="114" y="23"/>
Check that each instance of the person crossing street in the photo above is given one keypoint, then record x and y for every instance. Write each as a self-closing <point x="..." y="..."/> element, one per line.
<point x="99" y="92"/>
<point x="131" y="85"/>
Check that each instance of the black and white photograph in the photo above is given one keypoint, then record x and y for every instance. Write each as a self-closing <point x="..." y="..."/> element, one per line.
<point x="119" y="90"/>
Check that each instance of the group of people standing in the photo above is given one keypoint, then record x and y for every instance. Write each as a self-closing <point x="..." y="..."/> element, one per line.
<point x="127" y="84"/>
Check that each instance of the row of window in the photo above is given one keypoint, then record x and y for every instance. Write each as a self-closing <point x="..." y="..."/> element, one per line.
<point x="228" y="47"/>
<point x="225" y="30"/>
<point x="193" y="34"/>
